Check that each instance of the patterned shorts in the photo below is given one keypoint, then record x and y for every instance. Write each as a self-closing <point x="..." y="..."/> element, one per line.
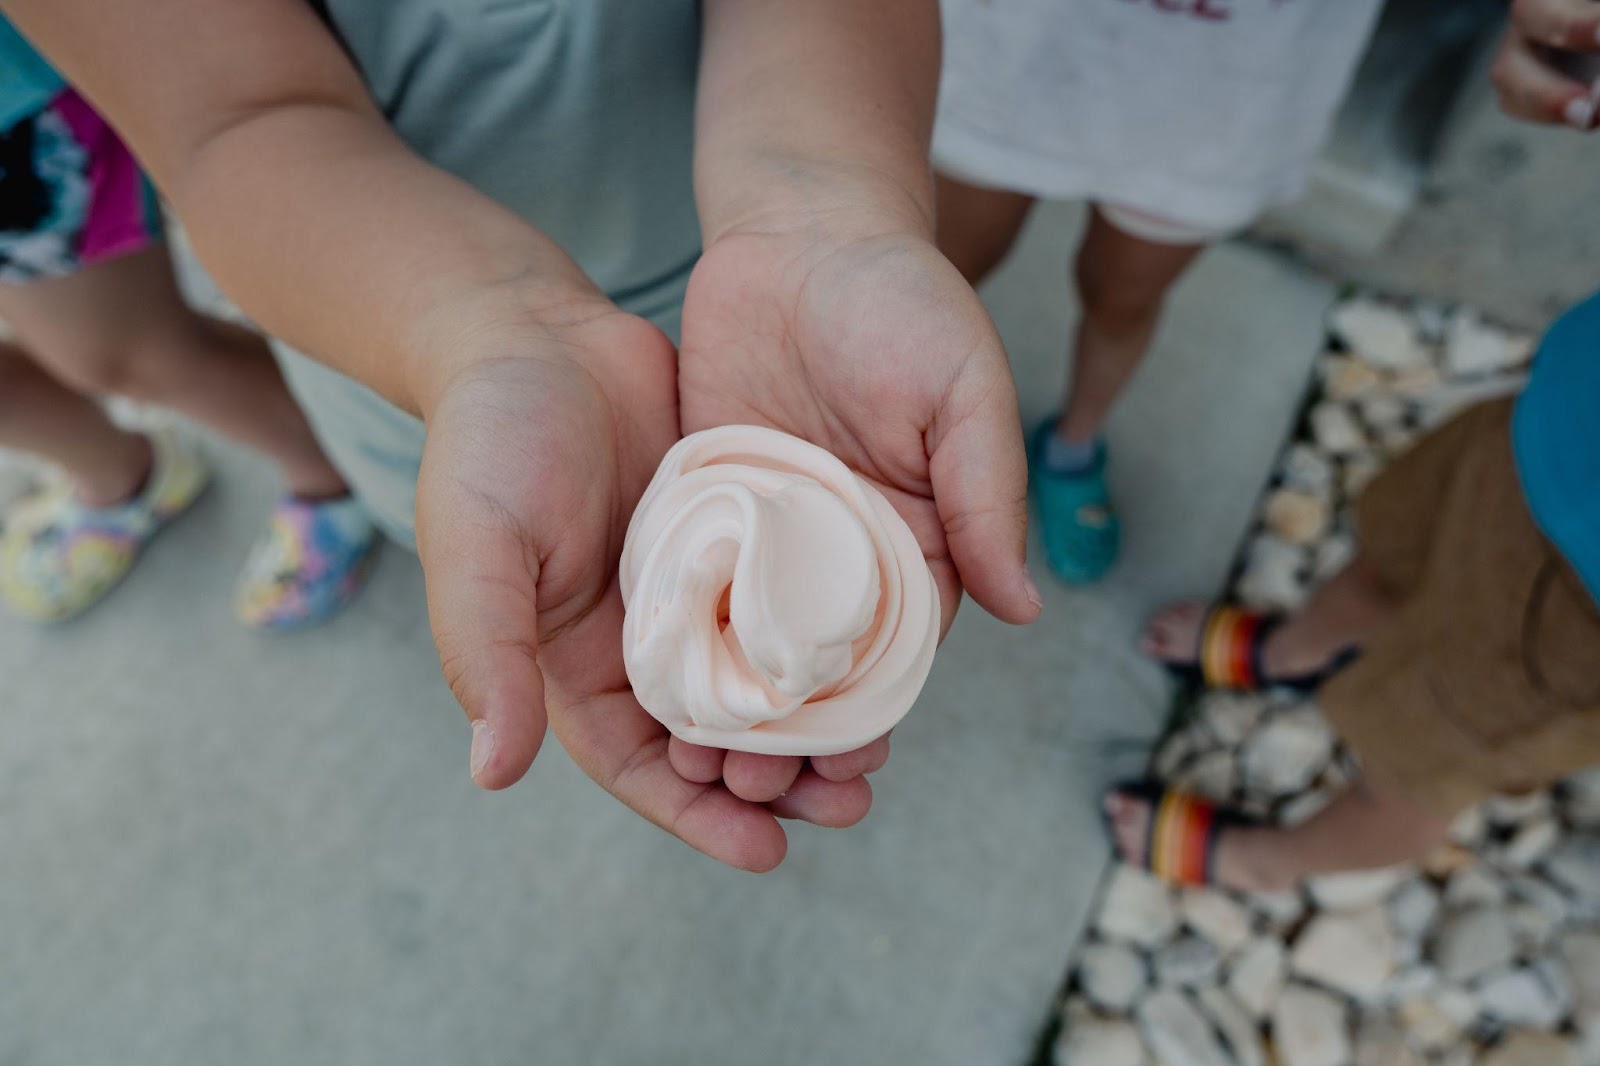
<point x="71" y="194"/>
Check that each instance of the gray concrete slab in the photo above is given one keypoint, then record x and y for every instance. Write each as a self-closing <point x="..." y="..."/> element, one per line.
<point x="1505" y="222"/>
<point x="219" y="847"/>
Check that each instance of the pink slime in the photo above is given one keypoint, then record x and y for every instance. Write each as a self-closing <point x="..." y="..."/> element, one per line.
<point x="775" y="601"/>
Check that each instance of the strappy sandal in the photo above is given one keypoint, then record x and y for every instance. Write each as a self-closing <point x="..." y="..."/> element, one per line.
<point x="1181" y="839"/>
<point x="1229" y="657"/>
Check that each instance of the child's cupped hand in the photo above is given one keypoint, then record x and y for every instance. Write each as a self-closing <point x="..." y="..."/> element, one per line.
<point x="538" y="449"/>
<point x="865" y="340"/>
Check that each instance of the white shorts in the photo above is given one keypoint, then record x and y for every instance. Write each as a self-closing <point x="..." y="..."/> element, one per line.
<point x="1202" y="113"/>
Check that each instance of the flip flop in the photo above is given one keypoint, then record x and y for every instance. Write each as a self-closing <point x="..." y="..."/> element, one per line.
<point x="1231" y="640"/>
<point x="1181" y="840"/>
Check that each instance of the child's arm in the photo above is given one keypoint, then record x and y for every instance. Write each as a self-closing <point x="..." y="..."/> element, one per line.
<point x="547" y="408"/>
<point x="830" y="100"/>
<point x="302" y="203"/>
<point x="821" y="305"/>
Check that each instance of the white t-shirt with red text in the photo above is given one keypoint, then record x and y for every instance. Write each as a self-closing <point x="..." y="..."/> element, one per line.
<point x="1201" y="111"/>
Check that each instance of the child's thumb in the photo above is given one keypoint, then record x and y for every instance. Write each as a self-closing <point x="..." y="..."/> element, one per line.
<point x="482" y="575"/>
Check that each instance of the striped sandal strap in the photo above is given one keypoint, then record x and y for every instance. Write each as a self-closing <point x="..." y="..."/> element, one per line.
<point x="1230" y="647"/>
<point x="1183" y="837"/>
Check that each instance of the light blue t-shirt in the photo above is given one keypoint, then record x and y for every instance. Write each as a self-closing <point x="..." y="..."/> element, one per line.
<point x="1555" y="435"/>
<point x="27" y="82"/>
<point x="578" y="115"/>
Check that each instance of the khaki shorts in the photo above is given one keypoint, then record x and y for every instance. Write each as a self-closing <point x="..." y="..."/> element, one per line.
<point x="1489" y="679"/>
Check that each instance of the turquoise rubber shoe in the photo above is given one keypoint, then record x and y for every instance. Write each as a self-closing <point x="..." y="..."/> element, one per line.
<point x="1080" y="531"/>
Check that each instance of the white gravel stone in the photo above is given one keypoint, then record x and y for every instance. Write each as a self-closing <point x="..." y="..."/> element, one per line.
<point x="1472" y="346"/>
<point x="1514" y="810"/>
<point x="1581" y="799"/>
<point x="1419" y="381"/>
<point x="1432" y="320"/>
<point x="1359" y="888"/>
<point x="1474" y="886"/>
<point x="1454" y="396"/>
<point x="1336" y="429"/>
<point x="1416" y="981"/>
<point x="1344" y="377"/>
<point x="1137" y="907"/>
<point x="1217" y="917"/>
<point x="1177" y="1033"/>
<point x="1379" y="1042"/>
<point x="1383" y="411"/>
<point x="1413" y="908"/>
<point x="1306" y="469"/>
<point x="1532" y="842"/>
<point x="1112" y="976"/>
<point x="1272" y="576"/>
<point x="1297" y="516"/>
<point x="1302" y="806"/>
<point x="1472" y="942"/>
<point x="1241" y="1034"/>
<point x="1396" y="439"/>
<point x="1407" y="953"/>
<point x="1349" y="951"/>
<point x="1536" y="891"/>
<point x="1381" y="334"/>
<point x="1469" y="827"/>
<point x="1231" y="716"/>
<point x="1309" y="1028"/>
<point x="1094" y="1041"/>
<point x="1581" y="953"/>
<point x="1175" y="753"/>
<point x="1257" y="976"/>
<point x="1532" y="1049"/>
<point x="1429" y="1025"/>
<point x="1525" y="998"/>
<point x="1574" y="865"/>
<point x="1289" y="752"/>
<point x="1331" y="555"/>
<point x="1459" y="1004"/>
<point x="1214" y="774"/>
<point x="1358" y="472"/>
<point x="1588" y="1041"/>
<point x="1187" y="961"/>
<point x="1281" y="909"/>
<point x="1531" y="927"/>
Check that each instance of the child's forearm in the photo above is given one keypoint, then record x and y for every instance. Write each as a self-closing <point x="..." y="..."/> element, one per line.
<point x="354" y="250"/>
<point x="827" y="103"/>
<point x="306" y="208"/>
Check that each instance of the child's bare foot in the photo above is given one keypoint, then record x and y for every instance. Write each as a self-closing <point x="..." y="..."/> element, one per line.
<point x="1293" y="649"/>
<point x="1341" y="615"/>
<point x="1232" y="864"/>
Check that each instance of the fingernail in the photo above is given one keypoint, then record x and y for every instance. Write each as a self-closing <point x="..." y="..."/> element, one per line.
<point x="1579" y="112"/>
<point x="482" y="746"/>
<point x="1030" y="590"/>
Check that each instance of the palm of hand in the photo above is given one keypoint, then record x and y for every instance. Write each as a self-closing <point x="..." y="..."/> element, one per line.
<point x="533" y="465"/>
<point x="878" y="351"/>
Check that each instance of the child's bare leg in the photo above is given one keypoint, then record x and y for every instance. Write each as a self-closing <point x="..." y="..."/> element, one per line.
<point x="43" y="417"/>
<point x="1343" y="612"/>
<point x="977" y="226"/>
<point x="1366" y="826"/>
<point x="121" y="327"/>
<point x="1122" y="282"/>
